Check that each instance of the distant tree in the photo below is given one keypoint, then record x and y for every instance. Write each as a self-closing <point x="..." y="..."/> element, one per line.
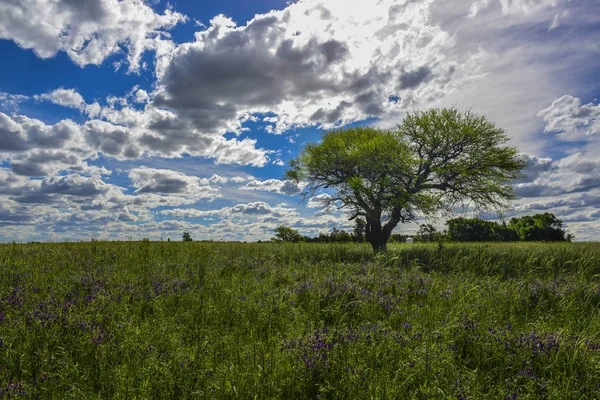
<point x="539" y="227"/>
<point x="287" y="234"/>
<point x="433" y="161"/>
<point x="399" y="237"/>
<point x="339" y="236"/>
<point x="427" y="232"/>
<point x="359" y="230"/>
<point x="187" y="237"/>
<point x="473" y="230"/>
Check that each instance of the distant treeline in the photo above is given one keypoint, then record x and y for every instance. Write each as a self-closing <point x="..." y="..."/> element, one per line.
<point x="538" y="227"/>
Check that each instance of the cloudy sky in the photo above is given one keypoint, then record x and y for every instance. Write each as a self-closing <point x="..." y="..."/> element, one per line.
<point x="127" y="118"/>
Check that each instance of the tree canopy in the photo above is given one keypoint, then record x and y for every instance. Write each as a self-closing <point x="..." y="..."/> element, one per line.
<point x="287" y="234"/>
<point x="434" y="161"/>
<point x="538" y="227"/>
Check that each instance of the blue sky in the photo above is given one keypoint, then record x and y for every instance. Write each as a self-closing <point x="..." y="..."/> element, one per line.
<point x="130" y="118"/>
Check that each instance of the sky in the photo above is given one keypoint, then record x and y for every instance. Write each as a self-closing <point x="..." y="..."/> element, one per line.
<point x="127" y="119"/>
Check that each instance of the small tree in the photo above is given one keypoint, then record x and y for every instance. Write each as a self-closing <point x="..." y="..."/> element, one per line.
<point x="287" y="234"/>
<point x="427" y="232"/>
<point x="434" y="161"/>
<point x="186" y="237"/>
<point x="359" y="230"/>
<point x="341" y="236"/>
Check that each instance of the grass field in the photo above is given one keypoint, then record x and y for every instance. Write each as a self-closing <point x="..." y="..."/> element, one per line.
<point x="141" y="320"/>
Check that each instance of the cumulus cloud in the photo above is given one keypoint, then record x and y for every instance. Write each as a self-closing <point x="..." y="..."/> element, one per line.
<point x="64" y="97"/>
<point x="112" y="140"/>
<point x="34" y="148"/>
<point x="238" y="179"/>
<point x="313" y="63"/>
<point x="141" y="96"/>
<point x="124" y="133"/>
<point x="319" y="201"/>
<point x="534" y="167"/>
<point x="88" y="31"/>
<point x="164" y="181"/>
<point x="519" y="66"/>
<point x="274" y="185"/>
<point x="70" y="98"/>
<point x="257" y="209"/>
<point x="218" y="179"/>
<point x="10" y="102"/>
<point x="570" y="119"/>
<point x="572" y="174"/>
<point x="162" y="132"/>
<point x="73" y="185"/>
<point x="51" y="189"/>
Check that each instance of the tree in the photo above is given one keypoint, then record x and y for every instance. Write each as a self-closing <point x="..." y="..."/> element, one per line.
<point x="474" y="230"/>
<point x="435" y="160"/>
<point x="427" y="232"/>
<point x="186" y="237"/>
<point x="287" y="234"/>
<point x="359" y="229"/>
<point x="340" y="236"/>
<point x="539" y="227"/>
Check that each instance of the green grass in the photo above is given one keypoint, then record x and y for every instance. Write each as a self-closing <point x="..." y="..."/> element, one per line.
<point x="141" y="320"/>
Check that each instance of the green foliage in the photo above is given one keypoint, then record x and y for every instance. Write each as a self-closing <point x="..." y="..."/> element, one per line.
<point x="218" y="320"/>
<point x="187" y="237"/>
<point x="427" y="233"/>
<point x="434" y="161"/>
<point x="335" y="236"/>
<point x="360" y="227"/>
<point x="474" y="230"/>
<point x="538" y="227"/>
<point x="287" y="234"/>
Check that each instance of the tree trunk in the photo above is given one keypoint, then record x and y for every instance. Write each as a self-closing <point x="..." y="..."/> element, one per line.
<point x="377" y="236"/>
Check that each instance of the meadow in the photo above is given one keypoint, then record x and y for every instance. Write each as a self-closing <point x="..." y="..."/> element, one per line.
<point x="142" y="320"/>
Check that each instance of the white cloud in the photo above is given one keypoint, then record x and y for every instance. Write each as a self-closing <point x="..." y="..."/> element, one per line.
<point x="313" y="63"/>
<point x="238" y="179"/>
<point x="255" y="209"/>
<point x="519" y="67"/>
<point x="218" y="179"/>
<point x="122" y="132"/>
<point x="141" y="96"/>
<point x="164" y="181"/>
<point x="318" y="201"/>
<point x="70" y="98"/>
<point x="274" y="185"/>
<point x="88" y="31"/>
<point x="64" y="97"/>
<point x="10" y="102"/>
<point x="571" y="120"/>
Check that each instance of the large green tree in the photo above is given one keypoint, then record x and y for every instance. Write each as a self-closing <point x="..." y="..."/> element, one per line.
<point x="434" y="161"/>
<point x="539" y="227"/>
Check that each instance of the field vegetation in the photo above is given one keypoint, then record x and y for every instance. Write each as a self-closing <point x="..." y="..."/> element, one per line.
<point x="278" y="320"/>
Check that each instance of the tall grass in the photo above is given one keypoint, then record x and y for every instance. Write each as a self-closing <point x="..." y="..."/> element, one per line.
<point x="203" y="320"/>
